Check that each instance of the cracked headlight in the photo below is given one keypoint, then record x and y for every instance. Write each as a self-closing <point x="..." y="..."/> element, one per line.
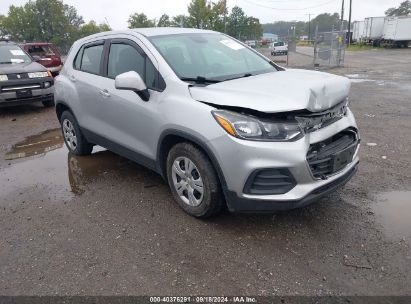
<point x="251" y="128"/>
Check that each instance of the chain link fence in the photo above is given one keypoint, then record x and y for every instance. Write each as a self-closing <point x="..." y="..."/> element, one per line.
<point x="329" y="48"/>
<point x="325" y="50"/>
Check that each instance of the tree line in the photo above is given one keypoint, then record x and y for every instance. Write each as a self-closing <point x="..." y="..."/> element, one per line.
<point x="403" y="10"/>
<point x="203" y="14"/>
<point x="59" y="23"/>
<point x="325" y="22"/>
<point x="49" y="21"/>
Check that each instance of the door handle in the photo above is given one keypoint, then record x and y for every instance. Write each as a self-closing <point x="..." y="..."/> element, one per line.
<point x="72" y="78"/>
<point x="104" y="93"/>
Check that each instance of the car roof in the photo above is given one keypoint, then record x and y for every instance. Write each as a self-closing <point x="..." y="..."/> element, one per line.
<point x="158" y="31"/>
<point x="151" y="32"/>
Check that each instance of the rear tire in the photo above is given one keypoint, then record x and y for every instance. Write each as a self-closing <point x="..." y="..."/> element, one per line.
<point x="74" y="139"/>
<point x="193" y="181"/>
<point x="48" y="103"/>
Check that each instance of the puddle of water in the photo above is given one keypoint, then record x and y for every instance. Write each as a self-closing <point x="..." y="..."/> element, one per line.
<point x="352" y="75"/>
<point x="47" y="173"/>
<point x="43" y="162"/>
<point x="37" y="145"/>
<point x="360" y="80"/>
<point x="82" y="169"/>
<point x="393" y="211"/>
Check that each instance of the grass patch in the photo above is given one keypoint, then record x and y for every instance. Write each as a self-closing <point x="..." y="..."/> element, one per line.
<point x="362" y="47"/>
<point x="304" y="43"/>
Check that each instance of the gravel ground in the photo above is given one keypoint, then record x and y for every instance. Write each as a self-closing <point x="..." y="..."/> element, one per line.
<point x="101" y="225"/>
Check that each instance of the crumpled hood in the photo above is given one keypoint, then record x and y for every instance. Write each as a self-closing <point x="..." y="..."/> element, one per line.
<point x="16" y="68"/>
<point x="281" y="91"/>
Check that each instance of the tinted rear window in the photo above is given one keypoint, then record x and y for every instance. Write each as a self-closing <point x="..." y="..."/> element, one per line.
<point x="88" y="59"/>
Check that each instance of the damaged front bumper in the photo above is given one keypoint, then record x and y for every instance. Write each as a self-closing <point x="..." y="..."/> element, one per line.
<point x="242" y="204"/>
<point x="301" y="186"/>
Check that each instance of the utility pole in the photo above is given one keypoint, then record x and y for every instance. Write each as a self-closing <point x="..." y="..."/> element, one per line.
<point x="349" y="24"/>
<point x="342" y="14"/>
<point x="309" y="27"/>
<point x="225" y="16"/>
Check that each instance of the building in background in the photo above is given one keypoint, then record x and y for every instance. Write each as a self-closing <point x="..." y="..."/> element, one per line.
<point x="270" y="37"/>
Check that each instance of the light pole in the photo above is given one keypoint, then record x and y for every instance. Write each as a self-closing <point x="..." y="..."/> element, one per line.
<point x="225" y="16"/>
<point x="309" y="27"/>
<point x="342" y="14"/>
<point x="349" y="24"/>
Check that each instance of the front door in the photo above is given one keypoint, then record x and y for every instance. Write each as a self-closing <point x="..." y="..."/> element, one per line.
<point x="130" y="120"/>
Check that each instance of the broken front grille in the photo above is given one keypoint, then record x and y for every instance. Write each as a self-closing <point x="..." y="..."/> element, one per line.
<point x="312" y="122"/>
<point x="332" y="155"/>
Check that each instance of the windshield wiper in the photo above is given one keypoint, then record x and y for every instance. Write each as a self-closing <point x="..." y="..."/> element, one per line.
<point x="200" y="79"/>
<point x="6" y="62"/>
<point x="238" y="77"/>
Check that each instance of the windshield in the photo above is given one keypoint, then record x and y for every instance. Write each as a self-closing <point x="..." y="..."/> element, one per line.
<point x="13" y="54"/>
<point x="211" y="56"/>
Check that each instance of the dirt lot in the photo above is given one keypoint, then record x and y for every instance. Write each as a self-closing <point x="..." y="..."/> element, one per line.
<point x="101" y="225"/>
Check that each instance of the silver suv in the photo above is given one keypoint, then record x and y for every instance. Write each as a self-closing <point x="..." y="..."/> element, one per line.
<point x="224" y="125"/>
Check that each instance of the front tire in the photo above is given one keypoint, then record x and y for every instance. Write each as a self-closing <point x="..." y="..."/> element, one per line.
<point x="193" y="181"/>
<point x="74" y="139"/>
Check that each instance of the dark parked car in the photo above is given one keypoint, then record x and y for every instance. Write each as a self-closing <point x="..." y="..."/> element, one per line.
<point x="22" y="80"/>
<point x="46" y="54"/>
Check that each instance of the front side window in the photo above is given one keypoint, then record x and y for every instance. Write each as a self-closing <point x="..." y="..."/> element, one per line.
<point x="90" y="59"/>
<point x="11" y="54"/>
<point x="125" y="58"/>
<point x="209" y="55"/>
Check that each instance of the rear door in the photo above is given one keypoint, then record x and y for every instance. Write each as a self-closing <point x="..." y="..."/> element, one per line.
<point x="86" y="78"/>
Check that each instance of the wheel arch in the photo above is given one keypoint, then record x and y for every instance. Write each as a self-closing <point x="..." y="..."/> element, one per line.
<point x="170" y="138"/>
<point x="61" y="107"/>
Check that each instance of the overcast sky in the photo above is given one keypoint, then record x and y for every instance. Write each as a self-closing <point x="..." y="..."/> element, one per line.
<point x="117" y="11"/>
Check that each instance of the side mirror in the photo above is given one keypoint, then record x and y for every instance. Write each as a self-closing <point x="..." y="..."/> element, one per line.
<point x="132" y="81"/>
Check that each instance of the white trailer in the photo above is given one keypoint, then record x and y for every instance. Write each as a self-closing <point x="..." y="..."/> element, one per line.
<point x="397" y="31"/>
<point x="374" y="27"/>
<point x="358" y="31"/>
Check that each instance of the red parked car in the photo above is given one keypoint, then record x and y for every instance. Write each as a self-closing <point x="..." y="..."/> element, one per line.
<point x="46" y="54"/>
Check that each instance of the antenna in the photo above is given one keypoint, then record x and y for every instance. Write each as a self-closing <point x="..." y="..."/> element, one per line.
<point x="105" y="18"/>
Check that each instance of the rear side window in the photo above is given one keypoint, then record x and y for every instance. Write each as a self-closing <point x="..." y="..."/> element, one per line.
<point x="88" y="59"/>
<point x="124" y="58"/>
<point x="91" y="59"/>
